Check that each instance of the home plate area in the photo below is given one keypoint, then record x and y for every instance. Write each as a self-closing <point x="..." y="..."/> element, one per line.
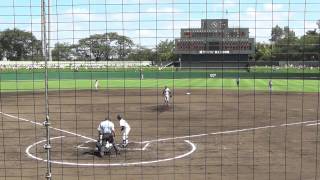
<point x="136" y="153"/>
<point x="140" y="151"/>
<point x="90" y="147"/>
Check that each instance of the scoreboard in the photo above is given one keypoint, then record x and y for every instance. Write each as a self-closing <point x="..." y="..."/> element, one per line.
<point x="214" y="37"/>
<point x="214" y="47"/>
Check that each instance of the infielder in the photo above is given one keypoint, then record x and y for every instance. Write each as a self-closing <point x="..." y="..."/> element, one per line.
<point x="125" y="130"/>
<point x="106" y="133"/>
<point x="166" y="94"/>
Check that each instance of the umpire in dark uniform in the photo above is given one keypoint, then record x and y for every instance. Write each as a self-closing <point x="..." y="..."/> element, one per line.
<point x="106" y="133"/>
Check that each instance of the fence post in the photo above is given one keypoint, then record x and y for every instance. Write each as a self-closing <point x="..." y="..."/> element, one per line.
<point x="45" y="54"/>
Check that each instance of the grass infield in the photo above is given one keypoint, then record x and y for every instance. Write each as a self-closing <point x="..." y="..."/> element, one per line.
<point x="283" y="85"/>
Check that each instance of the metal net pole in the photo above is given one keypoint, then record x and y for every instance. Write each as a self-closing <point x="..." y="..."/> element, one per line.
<point x="49" y="32"/>
<point x="46" y="123"/>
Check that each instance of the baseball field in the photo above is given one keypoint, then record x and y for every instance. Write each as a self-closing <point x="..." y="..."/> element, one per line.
<point x="212" y="128"/>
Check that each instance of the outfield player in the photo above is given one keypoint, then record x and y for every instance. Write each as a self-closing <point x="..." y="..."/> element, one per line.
<point x="166" y="94"/>
<point x="106" y="133"/>
<point x="141" y="74"/>
<point x="238" y="81"/>
<point x="125" y="130"/>
<point x="96" y="84"/>
<point x="270" y="85"/>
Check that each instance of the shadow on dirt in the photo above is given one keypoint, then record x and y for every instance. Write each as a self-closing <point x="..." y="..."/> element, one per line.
<point x="90" y="149"/>
<point x="159" y="108"/>
<point x="96" y="153"/>
<point x="92" y="152"/>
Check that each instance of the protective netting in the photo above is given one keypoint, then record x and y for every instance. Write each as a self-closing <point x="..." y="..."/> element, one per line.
<point x="242" y="99"/>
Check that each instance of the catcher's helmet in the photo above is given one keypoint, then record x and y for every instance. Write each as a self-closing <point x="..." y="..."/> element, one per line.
<point x="119" y="116"/>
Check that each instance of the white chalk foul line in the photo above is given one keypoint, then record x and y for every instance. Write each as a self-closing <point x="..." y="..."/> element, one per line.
<point x="82" y="146"/>
<point x="145" y="146"/>
<point x="90" y="139"/>
<point x="150" y="141"/>
<point x="193" y="148"/>
<point x="40" y="124"/>
<point x="68" y="132"/>
<point x="315" y="124"/>
<point x="231" y="131"/>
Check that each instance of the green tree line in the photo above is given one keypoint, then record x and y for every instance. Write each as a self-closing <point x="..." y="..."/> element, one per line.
<point x="111" y="46"/>
<point x="285" y="45"/>
<point x="17" y="45"/>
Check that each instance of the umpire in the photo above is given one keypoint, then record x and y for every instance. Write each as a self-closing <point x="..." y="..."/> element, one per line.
<point x="106" y="133"/>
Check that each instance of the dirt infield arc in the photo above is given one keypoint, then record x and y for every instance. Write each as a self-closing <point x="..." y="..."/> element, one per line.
<point x="235" y="135"/>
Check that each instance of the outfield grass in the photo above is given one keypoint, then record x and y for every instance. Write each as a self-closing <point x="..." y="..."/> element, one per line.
<point x="217" y="83"/>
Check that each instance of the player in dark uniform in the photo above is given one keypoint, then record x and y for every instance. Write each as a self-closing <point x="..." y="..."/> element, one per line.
<point x="106" y="137"/>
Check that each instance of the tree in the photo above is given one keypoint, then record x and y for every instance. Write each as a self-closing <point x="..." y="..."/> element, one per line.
<point x="276" y="34"/>
<point x="312" y="32"/>
<point x="141" y="54"/>
<point x="104" y="47"/>
<point x="64" y="52"/>
<point x="287" y="47"/>
<point x="125" y="46"/>
<point x="318" y="24"/>
<point x="19" y="45"/>
<point x="288" y="33"/>
<point x="309" y="45"/>
<point x="263" y="51"/>
<point x="165" y="51"/>
<point x="121" y="45"/>
<point x="95" y="47"/>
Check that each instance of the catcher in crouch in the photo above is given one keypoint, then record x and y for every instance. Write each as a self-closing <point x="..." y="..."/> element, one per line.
<point x="166" y="94"/>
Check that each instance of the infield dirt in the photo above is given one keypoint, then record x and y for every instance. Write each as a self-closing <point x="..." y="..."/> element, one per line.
<point x="253" y="135"/>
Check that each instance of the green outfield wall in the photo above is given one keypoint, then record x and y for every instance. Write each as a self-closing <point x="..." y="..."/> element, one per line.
<point x="154" y="75"/>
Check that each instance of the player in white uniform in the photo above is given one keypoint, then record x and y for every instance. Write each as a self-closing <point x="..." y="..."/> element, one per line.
<point x="166" y="94"/>
<point x="96" y="84"/>
<point x="270" y="85"/>
<point x="125" y="130"/>
<point x="106" y="133"/>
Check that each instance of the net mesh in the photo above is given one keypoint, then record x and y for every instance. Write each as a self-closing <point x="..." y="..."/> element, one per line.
<point x="242" y="79"/>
